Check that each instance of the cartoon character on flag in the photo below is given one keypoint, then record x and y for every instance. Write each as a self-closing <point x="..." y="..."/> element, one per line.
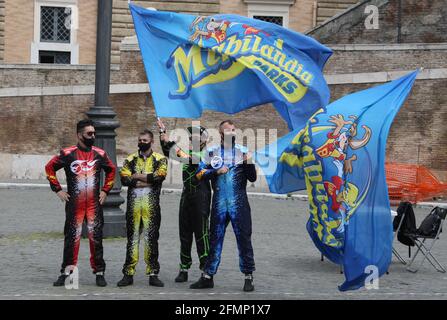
<point x="343" y="195"/>
<point x="339" y="157"/>
<point x="208" y="27"/>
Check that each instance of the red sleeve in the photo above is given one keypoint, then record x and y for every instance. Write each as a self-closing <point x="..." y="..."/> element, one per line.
<point x="56" y="163"/>
<point x="110" y="169"/>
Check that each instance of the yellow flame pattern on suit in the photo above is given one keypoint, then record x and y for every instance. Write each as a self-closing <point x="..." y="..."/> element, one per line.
<point x="143" y="212"/>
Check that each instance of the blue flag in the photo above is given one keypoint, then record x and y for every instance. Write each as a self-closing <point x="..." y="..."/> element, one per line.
<point x="229" y="63"/>
<point x="339" y="157"/>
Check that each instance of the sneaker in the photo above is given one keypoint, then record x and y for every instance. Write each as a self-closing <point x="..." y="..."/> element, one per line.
<point x="60" y="281"/>
<point x="248" y="284"/>
<point x="154" y="281"/>
<point x="203" y="283"/>
<point x="100" y="280"/>
<point x="125" y="281"/>
<point x="182" y="276"/>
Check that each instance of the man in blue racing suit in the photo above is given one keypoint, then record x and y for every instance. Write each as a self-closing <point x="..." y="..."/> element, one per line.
<point x="227" y="168"/>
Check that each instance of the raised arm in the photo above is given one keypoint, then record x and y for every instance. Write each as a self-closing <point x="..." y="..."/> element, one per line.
<point x="167" y="145"/>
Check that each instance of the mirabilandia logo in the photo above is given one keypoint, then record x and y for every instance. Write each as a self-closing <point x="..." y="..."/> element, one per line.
<point x="82" y="166"/>
<point x="220" y="50"/>
<point x="330" y="151"/>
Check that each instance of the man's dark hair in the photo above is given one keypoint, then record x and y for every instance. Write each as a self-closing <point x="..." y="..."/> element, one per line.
<point x="147" y="132"/>
<point x="230" y="122"/>
<point x="82" y="124"/>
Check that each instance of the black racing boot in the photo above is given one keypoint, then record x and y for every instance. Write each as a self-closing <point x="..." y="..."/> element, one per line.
<point x="154" y="281"/>
<point x="182" y="276"/>
<point x="100" y="280"/>
<point x="204" y="282"/>
<point x="125" y="281"/>
<point x="60" y="281"/>
<point x="248" y="284"/>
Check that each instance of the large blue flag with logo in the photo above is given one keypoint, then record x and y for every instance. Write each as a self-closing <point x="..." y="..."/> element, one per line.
<point x="229" y="63"/>
<point x="339" y="157"/>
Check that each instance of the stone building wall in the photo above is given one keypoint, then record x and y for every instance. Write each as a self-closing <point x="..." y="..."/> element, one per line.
<point x="43" y="123"/>
<point x="2" y="30"/>
<point x="422" y="21"/>
<point x="326" y="9"/>
<point x="122" y="25"/>
<point x="41" y="104"/>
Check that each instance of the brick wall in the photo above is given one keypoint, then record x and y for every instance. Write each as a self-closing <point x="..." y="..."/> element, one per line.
<point x="87" y="31"/>
<point x="423" y="21"/>
<point x="329" y="8"/>
<point x="301" y="15"/>
<point x="41" y="125"/>
<point x="233" y="7"/>
<point x="418" y="133"/>
<point x="356" y="61"/>
<point x="19" y="31"/>
<point x="122" y="25"/>
<point x="2" y="30"/>
<point x="19" y="26"/>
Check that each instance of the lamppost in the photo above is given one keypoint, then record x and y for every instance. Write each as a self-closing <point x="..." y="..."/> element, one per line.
<point x="103" y="117"/>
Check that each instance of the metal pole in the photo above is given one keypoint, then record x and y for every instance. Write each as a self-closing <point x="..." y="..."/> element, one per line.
<point x="103" y="116"/>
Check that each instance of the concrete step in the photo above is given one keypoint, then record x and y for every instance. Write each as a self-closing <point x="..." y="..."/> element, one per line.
<point x="328" y="8"/>
<point x="328" y="12"/>
<point x="339" y="1"/>
<point x="335" y="4"/>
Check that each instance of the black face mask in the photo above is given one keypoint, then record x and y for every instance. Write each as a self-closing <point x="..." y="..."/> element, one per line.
<point x="89" y="142"/>
<point x="143" y="147"/>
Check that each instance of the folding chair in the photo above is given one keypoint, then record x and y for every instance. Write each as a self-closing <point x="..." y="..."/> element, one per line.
<point x="341" y="267"/>
<point x="396" y="230"/>
<point x="400" y="218"/>
<point x="435" y="221"/>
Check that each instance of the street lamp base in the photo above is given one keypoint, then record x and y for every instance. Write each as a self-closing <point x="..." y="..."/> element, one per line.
<point x="114" y="223"/>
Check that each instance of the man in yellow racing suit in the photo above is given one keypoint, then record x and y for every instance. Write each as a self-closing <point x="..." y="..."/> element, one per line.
<point x="143" y="173"/>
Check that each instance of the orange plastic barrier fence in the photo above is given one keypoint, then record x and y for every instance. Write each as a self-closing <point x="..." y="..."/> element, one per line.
<point x="412" y="182"/>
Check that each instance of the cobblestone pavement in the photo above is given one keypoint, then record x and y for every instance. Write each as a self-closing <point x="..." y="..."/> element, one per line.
<point x="288" y="265"/>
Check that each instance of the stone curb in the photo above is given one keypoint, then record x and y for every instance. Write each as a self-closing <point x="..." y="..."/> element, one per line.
<point x="259" y="195"/>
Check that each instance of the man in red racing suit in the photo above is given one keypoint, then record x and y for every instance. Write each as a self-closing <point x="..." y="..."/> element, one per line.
<point x="82" y="165"/>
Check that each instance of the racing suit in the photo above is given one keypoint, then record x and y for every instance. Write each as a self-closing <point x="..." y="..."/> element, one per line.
<point x="82" y="169"/>
<point x="230" y="203"/>
<point x="143" y="209"/>
<point x="194" y="208"/>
